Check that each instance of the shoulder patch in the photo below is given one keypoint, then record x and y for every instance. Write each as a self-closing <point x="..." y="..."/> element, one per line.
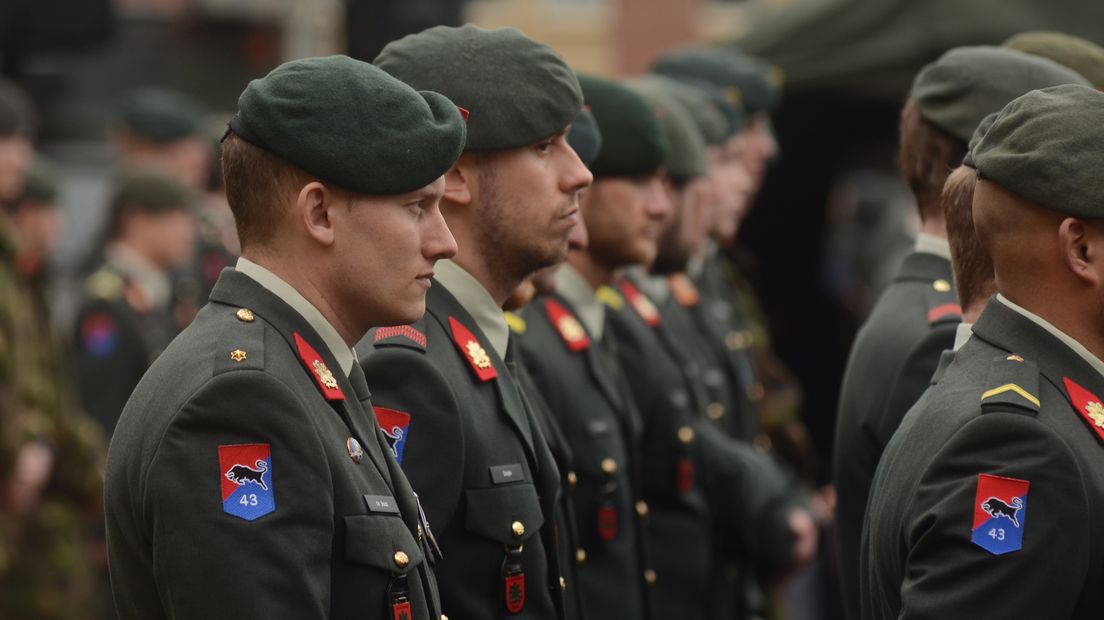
<point x="640" y="302"/>
<point x="472" y="351"/>
<point x="1012" y="382"/>
<point x="1088" y="405"/>
<point x="1000" y="513"/>
<point x="395" y="426"/>
<point x="943" y="303"/>
<point x="516" y="322"/>
<point x="247" y="488"/>
<point x="569" y="327"/>
<point x="684" y="290"/>
<point x="410" y="336"/>
<point x="610" y="297"/>
<point x="318" y="370"/>
<point x="99" y="334"/>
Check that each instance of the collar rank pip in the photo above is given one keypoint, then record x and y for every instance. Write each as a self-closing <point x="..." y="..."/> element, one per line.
<point x="321" y="373"/>
<point x="472" y="351"/>
<point x="571" y="330"/>
<point x="1088" y="405"/>
<point x="683" y="290"/>
<point x="1013" y="386"/>
<point x="640" y="302"/>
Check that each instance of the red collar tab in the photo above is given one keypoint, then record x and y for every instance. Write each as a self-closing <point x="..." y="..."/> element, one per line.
<point x="322" y="375"/>
<point x="472" y="351"/>
<point x="1088" y="405"/>
<point x="683" y="289"/>
<point x="572" y="332"/>
<point x="643" y="306"/>
<point x="464" y="113"/>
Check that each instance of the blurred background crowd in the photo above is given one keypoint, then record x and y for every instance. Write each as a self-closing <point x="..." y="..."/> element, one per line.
<point x="114" y="226"/>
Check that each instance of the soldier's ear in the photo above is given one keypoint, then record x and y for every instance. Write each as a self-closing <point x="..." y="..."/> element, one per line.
<point x="1082" y="247"/>
<point x="313" y="206"/>
<point x="459" y="180"/>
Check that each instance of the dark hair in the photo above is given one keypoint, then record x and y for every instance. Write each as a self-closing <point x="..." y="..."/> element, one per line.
<point x="927" y="155"/>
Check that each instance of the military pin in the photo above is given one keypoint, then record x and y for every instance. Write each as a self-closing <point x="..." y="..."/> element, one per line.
<point x="355" y="451"/>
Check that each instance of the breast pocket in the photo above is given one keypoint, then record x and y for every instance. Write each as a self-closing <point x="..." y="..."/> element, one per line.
<point x="383" y="542"/>
<point x="509" y="513"/>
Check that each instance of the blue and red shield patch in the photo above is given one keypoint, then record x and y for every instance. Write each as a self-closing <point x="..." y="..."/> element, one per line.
<point x="99" y="334"/>
<point x="395" y="425"/>
<point x="1000" y="513"/>
<point x="247" y="490"/>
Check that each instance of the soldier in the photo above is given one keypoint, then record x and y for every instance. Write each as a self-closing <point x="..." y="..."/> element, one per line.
<point x="125" y="317"/>
<point x="985" y="501"/>
<point x="461" y="429"/>
<point x="159" y="129"/>
<point x="1084" y="57"/>
<point x="248" y="476"/>
<point x="916" y="318"/>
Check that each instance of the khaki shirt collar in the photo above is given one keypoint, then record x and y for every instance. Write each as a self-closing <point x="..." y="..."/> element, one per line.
<point x="577" y="291"/>
<point x="963" y="331"/>
<point x="477" y="301"/>
<point x="278" y="287"/>
<point x="930" y="244"/>
<point x="1077" y="347"/>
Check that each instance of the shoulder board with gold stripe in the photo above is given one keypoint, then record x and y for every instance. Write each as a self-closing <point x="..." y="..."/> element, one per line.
<point x="1012" y="385"/>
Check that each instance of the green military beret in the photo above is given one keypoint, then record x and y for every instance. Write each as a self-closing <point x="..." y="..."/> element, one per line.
<point x="150" y="192"/>
<point x="585" y="137"/>
<point x="632" y="138"/>
<point x="965" y="84"/>
<point x="1084" y="57"/>
<point x="160" y="115"/>
<point x="1047" y="147"/>
<point x="757" y="84"/>
<point x="979" y="133"/>
<point x="518" y="91"/>
<point x="16" y="111"/>
<point x="351" y="124"/>
<point x="704" y="110"/>
<point x="41" y="184"/>
<point x="686" y="156"/>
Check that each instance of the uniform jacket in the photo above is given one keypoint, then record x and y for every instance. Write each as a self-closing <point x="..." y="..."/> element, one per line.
<point x="988" y="500"/>
<point x="891" y="361"/>
<point x="248" y="478"/>
<point x="472" y="451"/>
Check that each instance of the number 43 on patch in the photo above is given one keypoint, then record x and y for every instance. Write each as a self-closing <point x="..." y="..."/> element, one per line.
<point x="246" y="481"/>
<point x="1000" y="513"/>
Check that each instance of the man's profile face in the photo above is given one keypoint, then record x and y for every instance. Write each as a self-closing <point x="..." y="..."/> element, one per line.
<point x="624" y="217"/>
<point x="528" y="202"/>
<point x="384" y="251"/>
<point x="16" y="156"/>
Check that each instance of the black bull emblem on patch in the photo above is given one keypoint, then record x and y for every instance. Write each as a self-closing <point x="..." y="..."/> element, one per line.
<point x="996" y="508"/>
<point x="240" y="474"/>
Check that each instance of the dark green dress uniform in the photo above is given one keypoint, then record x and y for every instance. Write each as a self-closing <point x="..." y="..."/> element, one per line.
<point x="317" y="520"/>
<point x="588" y="399"/>
<point x="121" y="328"/>
<point x="986" y="501"/>
<point x="894" y="356"/>
<point x="469" y="445"/>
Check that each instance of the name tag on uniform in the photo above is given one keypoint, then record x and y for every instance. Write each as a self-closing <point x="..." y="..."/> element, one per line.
<point x="501" y="474"/>
<point x="382" y="503"/>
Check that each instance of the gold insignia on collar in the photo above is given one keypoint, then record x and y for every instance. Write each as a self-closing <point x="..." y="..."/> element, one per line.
<point x="645" y="307"/>
<point x="245" y="315"/>
<point x="1095" y="411"/>
<point x="608" y="296"/>
<point x="324" y="374"/>
<point x="942" y="286"/>
<point x="1014" y="358"/>
<point x="571" y="329"/>
<point x="238" y="355"/>
<point x="478" y="354"/>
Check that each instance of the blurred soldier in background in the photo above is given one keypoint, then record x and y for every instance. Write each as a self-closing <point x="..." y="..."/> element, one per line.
<point x="51" y="456"/>
<point x="125" y="318"/>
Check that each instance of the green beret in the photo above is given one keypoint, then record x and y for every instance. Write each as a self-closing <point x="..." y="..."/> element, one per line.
<point x="686" y="155"/>
<point x="632" y="138"/>
<point x="1047" y="147"/>
<point x="150" y="192"/>
<point x="585" y="137"/>
<point x="40" y="185"/>
<point x="160" y="115"/>
<point x="979" y="133"/>
<point x="518" y="91"/>
<point x="758" y="84"/>
<point x="1084" y="57"/>
<point x="704" y="111"/>
<point x="16" y="111"/>
<point x="965" y="84"/>
<point x="350" y="124"/>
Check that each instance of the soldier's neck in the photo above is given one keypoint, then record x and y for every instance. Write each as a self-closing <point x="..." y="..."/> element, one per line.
<point x="595" y="272"/>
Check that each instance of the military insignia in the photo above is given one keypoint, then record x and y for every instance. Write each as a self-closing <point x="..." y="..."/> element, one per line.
<point x="238" y="355"/>
<point x="609" y="297"/>
<point x="406" y="334"/>
<point x="684" y="475"/>
<point x="99" y="334"/>
<point x="683" y="290"/>
<point x="245" y="315"/>
<point x="322" y="375"/>
<point x="942" y="304"/>
<point x="1000" y="513"/>
<point x="640" y="302"/>
<point x="247" y="487"/>
<point x="355" y="451"/>
<point x="1088" y="405"/>
<point x="395" y="426"/>
<point x="607" y="521"/>
<point x="942" y="286"/>
<point x="472" y="351"/>
<point x="1015" y="384"/>
<point x="572" y="332"/>
<point x="401" y="611"/>
<point x="516" y="322"/>
<point x="513" y="580"/>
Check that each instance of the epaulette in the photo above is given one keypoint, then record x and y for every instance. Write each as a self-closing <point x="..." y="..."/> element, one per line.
<point x="943" y="303"/>
<point x="515" y="321"/>
<point x="641" y="303"/>
<point x="610" y="297"/>
<point x="683" y="290"/>
<point x="1088" y="405"/>
<point x="242" y="345"/>
<point x="565" y="323"/>
<point x="409" y="336"/>
<point x="1012" y="385"/>
<point x="105" y="284"/>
